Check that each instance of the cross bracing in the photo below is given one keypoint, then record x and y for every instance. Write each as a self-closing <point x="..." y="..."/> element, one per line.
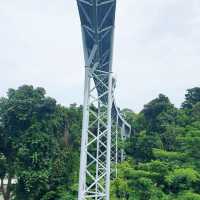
<point x="103" y="124"/>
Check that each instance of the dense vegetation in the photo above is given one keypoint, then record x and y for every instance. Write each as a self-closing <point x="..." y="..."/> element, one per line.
<point x="164" y="154"/>
<point x="40" y="142"/>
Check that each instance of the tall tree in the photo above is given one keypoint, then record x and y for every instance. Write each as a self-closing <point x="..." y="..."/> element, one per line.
<point x="32" y="143"/>
<point x="191" y="98"/>
<point x="158" y="113"/>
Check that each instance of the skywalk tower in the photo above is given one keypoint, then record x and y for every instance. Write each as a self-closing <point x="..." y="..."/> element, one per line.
<point x="103" y="125"/>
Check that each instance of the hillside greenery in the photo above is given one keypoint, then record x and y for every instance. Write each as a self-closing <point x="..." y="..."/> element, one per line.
<point x="40" y="144"/>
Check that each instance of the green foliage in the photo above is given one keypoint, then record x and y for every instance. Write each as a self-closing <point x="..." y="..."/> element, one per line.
<point x="60" y="193"/>
<point x="158" y="113"/>
<point x="165" y="149"/>
<point x="2" y="166"/>
<point x="175" y="157"/>
<point x="142" y="145"/>
<point x="135" y="184"/>
<point x="191" y="98"/>
<point x="189" y="196"/>
<point x="182" y="179"/>
<point x="40" y="144"/>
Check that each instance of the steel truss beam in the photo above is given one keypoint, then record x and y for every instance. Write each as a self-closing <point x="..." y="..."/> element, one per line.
<point x="96" y="137"/>
<point x="100" y="136"/>
<point x="103" y="126"/>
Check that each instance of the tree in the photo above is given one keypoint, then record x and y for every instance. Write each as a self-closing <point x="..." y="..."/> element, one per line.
<point x="3" y="190"/>
<point x="182" y="179"/>
<point x="196" y="112"/>
<point x="135" y="183"/>
<point x="188" y="195"/>
<point x="141" y="146"/>
<point x="159" y="113"/>
<point x="40" y="147"/>
<point x="33" y="130"/>
<point x="191" y="98"/>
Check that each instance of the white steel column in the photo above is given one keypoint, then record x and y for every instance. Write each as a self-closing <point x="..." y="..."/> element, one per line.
<point x="101" y="117"/>
<point x="84" y="140"/>
<point x="95" y="163"/>
<point x="97" y="150"/>
<point x="123" y="138"/>
<point x="116" y="144"/>
<point x="108" y="162"/>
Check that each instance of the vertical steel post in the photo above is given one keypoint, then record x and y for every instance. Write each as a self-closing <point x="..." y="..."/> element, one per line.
<point x="116" y="145"/>
<point x="84" y="140"/>
<point x="122" y="138"/>
<point x="85" y="124"/>
<point x="97" y="150"/>
<point x="109" y="134"/>
<point x="109" y="131"/>
<point x="99" y="145"/>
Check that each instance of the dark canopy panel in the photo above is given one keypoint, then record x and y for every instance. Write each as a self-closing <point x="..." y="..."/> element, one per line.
<point x="97" y="20"/>
<point x="99" y="29"/>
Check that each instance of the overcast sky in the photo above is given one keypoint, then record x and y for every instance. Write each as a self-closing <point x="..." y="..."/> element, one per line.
<point x="157" y="49"/>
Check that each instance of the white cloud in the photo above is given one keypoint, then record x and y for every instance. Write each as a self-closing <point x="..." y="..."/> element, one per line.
<point x="156" y="48"/>
<point x="160" y="50"/>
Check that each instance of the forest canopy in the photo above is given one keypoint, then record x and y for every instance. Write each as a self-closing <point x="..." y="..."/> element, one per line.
<point x="40" y="144"/>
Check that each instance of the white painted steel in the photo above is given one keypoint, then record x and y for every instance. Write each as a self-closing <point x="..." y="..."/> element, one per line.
<point x="101" y="117"/>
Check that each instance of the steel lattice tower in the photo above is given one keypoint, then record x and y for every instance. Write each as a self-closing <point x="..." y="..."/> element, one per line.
<point x="103" y="124"/>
